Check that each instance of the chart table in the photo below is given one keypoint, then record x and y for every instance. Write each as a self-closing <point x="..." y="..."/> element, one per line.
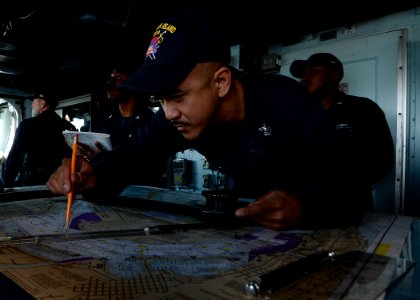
<point x="127" y="261"/>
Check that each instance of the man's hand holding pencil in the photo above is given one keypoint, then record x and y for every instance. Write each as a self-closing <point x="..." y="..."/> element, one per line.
<point x="83" y="178"/>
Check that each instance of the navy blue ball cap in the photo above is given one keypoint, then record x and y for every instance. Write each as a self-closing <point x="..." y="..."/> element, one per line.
<point x="177" y="45"/>
<point x="297" y="68"/>
<point x="38" y="95"/>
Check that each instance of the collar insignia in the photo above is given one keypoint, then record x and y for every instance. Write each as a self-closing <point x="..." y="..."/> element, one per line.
<point x="266" y="131"/>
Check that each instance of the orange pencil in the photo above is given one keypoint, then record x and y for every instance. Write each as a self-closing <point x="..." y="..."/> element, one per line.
<point x="70" y="195"/>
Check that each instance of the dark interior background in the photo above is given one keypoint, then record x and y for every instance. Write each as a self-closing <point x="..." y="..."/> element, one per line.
<point x="70" y="45"/>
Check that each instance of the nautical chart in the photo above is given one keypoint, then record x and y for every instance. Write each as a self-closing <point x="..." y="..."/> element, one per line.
<point x="205" y="263"/>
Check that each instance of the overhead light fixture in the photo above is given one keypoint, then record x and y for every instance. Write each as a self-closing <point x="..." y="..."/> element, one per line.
<point x="7" y="47"/>
<point x="10" y="71"/>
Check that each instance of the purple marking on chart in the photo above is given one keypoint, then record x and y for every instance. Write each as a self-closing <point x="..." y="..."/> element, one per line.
<point x="89" y="217"/>
<point x="289" y="241"/>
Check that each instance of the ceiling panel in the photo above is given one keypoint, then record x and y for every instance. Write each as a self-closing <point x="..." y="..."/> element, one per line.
<point x="71" y="44"/>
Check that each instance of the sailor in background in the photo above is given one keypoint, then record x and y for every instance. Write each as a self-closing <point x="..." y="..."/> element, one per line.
<point x="364" y="151"/>
<point x="38" y="147"/>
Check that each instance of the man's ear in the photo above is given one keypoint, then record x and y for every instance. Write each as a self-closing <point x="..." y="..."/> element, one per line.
<point x="44" y="104"/>
<point x="223" y="80"/>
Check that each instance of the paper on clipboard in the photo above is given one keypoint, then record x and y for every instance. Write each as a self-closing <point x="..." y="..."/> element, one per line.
<point x="89" y="138"/>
